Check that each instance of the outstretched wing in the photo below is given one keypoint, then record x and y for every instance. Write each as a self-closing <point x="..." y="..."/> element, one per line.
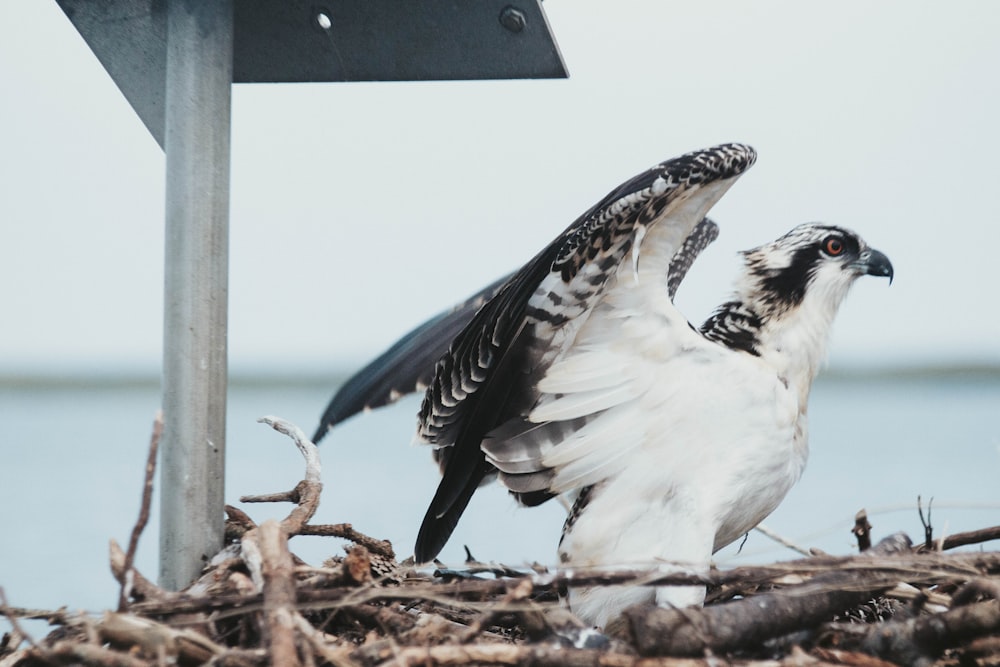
<point x="489" y="378"/>
<point x="406" y="367"/>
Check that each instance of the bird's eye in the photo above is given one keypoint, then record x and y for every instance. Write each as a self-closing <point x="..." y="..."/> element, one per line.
<point x="833" y="246"/>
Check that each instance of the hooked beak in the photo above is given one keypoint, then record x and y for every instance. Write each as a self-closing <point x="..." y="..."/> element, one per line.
<point x="873" y="263"/>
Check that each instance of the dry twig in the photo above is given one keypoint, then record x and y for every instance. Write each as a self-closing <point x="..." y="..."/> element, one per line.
<point x="346" y="531"/>
<point x="862" y="530"/>
<point x="127" y="570"/>
<point x="306" y="494"/>
<point x="13" y="618"/>
<point x="279" y="594"/>
<point x="970" y="537"/>
<point x="138" y="586"/>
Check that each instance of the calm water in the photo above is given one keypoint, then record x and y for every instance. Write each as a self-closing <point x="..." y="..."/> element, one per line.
<point x="72" y="460"/>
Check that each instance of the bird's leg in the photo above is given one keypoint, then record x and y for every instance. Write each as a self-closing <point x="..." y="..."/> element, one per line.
<point x="673" y="597"/>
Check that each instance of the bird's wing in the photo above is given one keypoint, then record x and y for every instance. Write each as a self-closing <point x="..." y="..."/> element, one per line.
<point x="406" y="367"/>
<point x="489" y="379"/>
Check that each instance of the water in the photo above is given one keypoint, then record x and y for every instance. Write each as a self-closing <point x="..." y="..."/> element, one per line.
<point x="73" y="455"/>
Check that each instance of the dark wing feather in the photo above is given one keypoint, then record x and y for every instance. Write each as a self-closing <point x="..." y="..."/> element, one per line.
<point x="404" y="368"/>
<point x="460" y="404"/>
<point x="703" y="235"/>
<point x="486" y="376"/>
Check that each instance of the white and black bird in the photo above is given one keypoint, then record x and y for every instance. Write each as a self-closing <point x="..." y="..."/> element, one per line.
<point x="577" y="377"/>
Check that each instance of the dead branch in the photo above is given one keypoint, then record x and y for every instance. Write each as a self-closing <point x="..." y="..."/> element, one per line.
<point x="70" y="652"/>
<point x="926" y="523"/>
<point x="970" y="537"/>
<point x="144" y="639"/>
<point x="347" y="532"/>
<point x="339" y="656"/>
<point x="976" y="590"/>
<point x="852" y="658"/>
<point x="278" y="574"/>
<point x="518" y="592"/>
<point x="543" y="655"/>
<point x="13" y="618"/>
<point x="919" y="641"/>
<point x="292" y="496"/>
<point x="306" y="447"/>
<point x="862" y="530"/>
<point x="239" y="517"/>
<point x="56" y="616"/>
<point x="147" y="499"/>
<point x="156" y="640"/>
<point x="748" y="622"/>
<point x="238" y="522"/>
<point x="307" y="492"/>
<point x="138" y="587"/>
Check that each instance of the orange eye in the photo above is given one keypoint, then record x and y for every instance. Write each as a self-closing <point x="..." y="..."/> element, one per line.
<point x="833" y="246"/>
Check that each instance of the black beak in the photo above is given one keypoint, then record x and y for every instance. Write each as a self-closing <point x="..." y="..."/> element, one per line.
<point x="874" y="263"/>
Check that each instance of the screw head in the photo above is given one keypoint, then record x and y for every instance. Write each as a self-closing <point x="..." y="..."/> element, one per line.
<point x="513" y="19"/>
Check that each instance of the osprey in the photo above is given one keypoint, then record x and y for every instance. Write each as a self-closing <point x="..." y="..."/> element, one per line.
<point x="577" y="377"/>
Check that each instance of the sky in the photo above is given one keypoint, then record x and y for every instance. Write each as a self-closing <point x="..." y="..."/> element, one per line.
<point x="358" y="210"/>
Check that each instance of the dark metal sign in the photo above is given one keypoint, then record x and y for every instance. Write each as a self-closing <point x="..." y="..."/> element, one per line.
<point x="339" y="40"/>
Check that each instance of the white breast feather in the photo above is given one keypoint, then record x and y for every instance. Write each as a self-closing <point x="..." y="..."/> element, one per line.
<point x="716" y="456"/>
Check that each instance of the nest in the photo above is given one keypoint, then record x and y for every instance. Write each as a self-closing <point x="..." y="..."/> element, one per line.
<point x="258" y="604"/>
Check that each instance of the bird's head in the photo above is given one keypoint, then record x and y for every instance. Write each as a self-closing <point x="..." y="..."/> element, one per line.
<point x="812" y="262"/>
<point x="788" y="295"/>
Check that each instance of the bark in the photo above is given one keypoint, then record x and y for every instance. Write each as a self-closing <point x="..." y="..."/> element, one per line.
<point x="278" y="574"/>
<point x="921" y="640"/>
<point x="752" y="621"/>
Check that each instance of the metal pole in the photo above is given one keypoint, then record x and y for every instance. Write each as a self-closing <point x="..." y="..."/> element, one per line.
<point x="197" y="116"/>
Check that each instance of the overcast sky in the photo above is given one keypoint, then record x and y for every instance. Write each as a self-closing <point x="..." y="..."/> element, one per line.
<point x="360" y="209"/>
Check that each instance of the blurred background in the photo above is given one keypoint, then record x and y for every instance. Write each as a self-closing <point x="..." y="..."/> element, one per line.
<point x="359" y="210"/>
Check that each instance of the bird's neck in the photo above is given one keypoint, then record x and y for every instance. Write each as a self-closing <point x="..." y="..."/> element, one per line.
<point x="791" y="339"/>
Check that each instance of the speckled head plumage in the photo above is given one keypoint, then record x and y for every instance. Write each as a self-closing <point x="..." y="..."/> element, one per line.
<point x="812" y="260"/>
<point x="783" y="270"/>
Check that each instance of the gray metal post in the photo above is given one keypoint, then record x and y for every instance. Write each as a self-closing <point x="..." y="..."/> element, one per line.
<point x="199" y="71"/>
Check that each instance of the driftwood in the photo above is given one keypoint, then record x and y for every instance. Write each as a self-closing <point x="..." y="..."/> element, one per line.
<point x="258" y="604"/>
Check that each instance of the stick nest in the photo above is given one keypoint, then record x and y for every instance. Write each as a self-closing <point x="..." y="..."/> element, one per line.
<point x="258" y="604"/>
